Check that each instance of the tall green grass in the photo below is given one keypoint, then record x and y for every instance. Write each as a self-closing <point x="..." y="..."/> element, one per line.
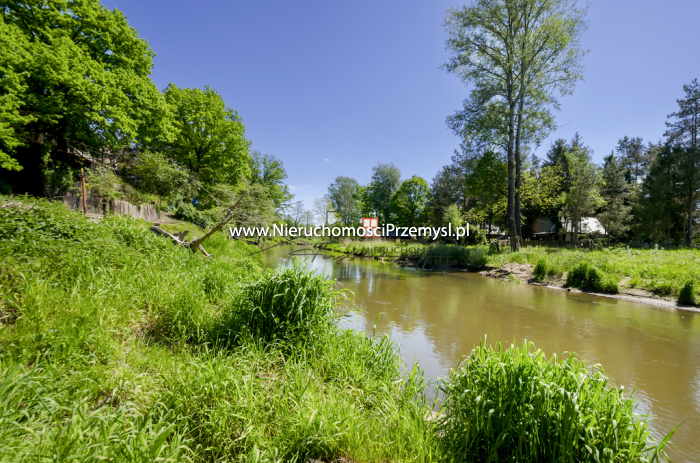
<point x="663" y="272"/>
<point x="513" y="404"/>
<point x="117" y="345"/>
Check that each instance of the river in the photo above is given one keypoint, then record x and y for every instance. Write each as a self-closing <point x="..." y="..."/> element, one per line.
<point x="438" y="317"/>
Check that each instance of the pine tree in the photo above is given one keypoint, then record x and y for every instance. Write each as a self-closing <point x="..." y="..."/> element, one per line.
<point x="634" y="158"/>
<point x="683" y="131"/>
<point x="616" y="213"/>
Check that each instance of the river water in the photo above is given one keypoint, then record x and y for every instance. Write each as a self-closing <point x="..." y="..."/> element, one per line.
<point x="438" y="317"/>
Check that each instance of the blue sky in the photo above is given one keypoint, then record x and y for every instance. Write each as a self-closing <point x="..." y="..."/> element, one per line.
<point x="334" y="87"/>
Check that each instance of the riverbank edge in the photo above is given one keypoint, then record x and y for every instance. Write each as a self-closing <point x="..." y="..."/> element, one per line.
<point x="524" y="273"/>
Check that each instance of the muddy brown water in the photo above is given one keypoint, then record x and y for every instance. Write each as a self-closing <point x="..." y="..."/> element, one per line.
<point x="438" y="317"/>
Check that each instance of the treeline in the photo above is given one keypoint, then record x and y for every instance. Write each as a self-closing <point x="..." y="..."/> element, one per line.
<point x="76" y="92"/>
<point x="641" y="192"/>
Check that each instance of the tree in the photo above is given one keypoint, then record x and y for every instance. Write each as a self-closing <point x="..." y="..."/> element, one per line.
<point x="209" y="137"/>
<point x="684" y="131"/>
<point x="659" y="204"/>
<point x="14" y="57"/>
<point x="486" y="183"/>
<point x="633" y="157"/>
<point x="616" y="214"/>
<point x="342" y="195"/>
<point x="157" y="174"/>
<point x="516" y="55"/>
<point x="320" y="209"/>
<point x="364" y="202"/>
<point x="409" y="201"/>
<point x="298" y="213"/>
<point x="584" y="192"/>
<point x="386" y="179"/>
<point x="448" y="187"/>
<point x="77" y="81"/>
<point x="268" y="171"/>
<point x="453" y="217"/>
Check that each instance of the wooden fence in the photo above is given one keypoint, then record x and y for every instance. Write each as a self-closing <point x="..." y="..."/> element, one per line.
<point x="100" y="206"/>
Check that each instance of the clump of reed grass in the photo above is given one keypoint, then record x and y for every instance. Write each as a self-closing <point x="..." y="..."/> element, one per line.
<point x="590" y="277"/>
<point x="289" y="304"/>
<point x="687" y="293"/>
<point x="513" y="404"/>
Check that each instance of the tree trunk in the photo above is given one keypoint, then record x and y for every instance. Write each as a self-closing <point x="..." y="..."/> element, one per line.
<point x="511" y="176"/>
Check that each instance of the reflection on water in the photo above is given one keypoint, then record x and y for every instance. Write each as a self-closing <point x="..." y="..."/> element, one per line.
<point x="437" y="318"/>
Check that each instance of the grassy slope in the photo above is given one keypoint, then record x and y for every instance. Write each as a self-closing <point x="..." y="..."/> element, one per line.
<point x="660" y="271"/>
<point x="116" y="344"/>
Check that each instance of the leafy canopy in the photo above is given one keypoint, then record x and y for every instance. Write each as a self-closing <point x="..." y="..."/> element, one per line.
<point x="209" y="137"/>
<point x="409" y="201"/>
<point x="74" y="74"/>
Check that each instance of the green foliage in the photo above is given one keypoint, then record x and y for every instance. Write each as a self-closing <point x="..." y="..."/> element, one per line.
<point x="513" y="404"/>
<point x="185" y="210"/>
<point x="453" y="216"/>
<point x="289" y="304"/>
<point x="209" y="138"/>
<point x="103" y="182"/>
<point x="409" y="202"/>
<point x="158" y="175"/>
<point x="583" y="195"/>
<point x="14" y="57"/>
<point x="587" y="276"/>
<point x="112" y="347"/>
<point x="540" y="270"/>
<point x="81" y="71"/>
<point x="386" y="179"/>
<point x="687" y="293"/>
<point x="268" y="171"/>
<point x="343" y="195"/>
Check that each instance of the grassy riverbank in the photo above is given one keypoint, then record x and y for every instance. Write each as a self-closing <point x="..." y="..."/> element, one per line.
<point x="117" y="345"/>
<point x="672" y="273"/>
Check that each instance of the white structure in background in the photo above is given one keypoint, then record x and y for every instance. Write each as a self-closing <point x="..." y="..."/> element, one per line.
<point x="587" y="225"/>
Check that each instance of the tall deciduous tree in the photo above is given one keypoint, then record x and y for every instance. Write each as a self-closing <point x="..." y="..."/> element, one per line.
<point x="683" y="130"/>
<point x="409" y="201"/>
<point x="209" y="136"/>
<point x="342" y="195"/>
<point x="517" y="54"/>
<point x="386" y="179"/>
<point x="268" y="171"/>
<point x="320" y="209"/>
<point x="76" y="77"/>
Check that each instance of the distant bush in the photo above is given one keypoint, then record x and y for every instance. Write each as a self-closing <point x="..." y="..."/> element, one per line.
<point x="515" y="405"/>
<point x="478" y="257"/>
<point x="590" y="277"/>
<point x="687" y="293"/>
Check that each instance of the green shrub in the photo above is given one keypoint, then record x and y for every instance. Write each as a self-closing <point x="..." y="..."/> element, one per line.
<point x="187" y="212"/>
<point x="478" y="257"/>
<point x="687" y="293"/>
<point x="288" y="304"/>
<point x="540" y="269"/>
<point x="515" y="405"/>
<point x="589" y="277"/>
